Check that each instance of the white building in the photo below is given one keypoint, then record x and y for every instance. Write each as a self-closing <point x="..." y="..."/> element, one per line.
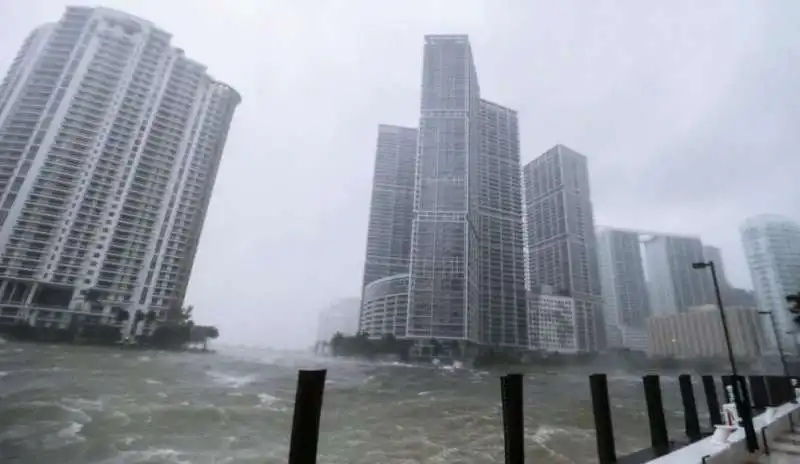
<point x="772" y="248"/>
<point x="341" y="317"/>
<point x="551" y="322"/>
<point x="110" y="141"/>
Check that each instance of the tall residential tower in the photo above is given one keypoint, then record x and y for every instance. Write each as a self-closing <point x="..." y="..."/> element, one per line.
<point x="562" y="247"/>
<point x="625" y="299"/>
<point x="466" y="274"/>
<point x="772" y="248"/>
<point x="389" y="233"/>
<point x="110" y="141"/>
<point x="674" y="285"/>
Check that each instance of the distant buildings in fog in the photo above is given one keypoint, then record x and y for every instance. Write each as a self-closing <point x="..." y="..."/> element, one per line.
<point x="342" y="317"/>
<point x="458" y="231"/>
<point x="698" y="333"/>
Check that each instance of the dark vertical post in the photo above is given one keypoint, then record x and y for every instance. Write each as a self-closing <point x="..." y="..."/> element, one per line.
<point x="690" y="419"/>
<point x="745" y="412"/>
<point x="774" y="390"/>
<point x="758" y="388"/>
<point x="714" y="409"/>
<point x="659" y="439"/>
<point x="601" y="408"/>
<point x="513" y="426"/>
<point x="307" y="413"/>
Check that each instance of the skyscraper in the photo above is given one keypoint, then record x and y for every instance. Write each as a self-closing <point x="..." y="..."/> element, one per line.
<point x="712" y="253"/>
<point x="562" y="247"/>
<point x="392" y="205"/>
<point x="625" y="300"/>
<point x="110" y="140"/>
<point x="772" y="248"/>
<point x="674" y="284"/>
<point x="389" y="233"/>
<point x="498" y="209"/>
<point x="444" y="269"/>
<point x="466" y="274"/>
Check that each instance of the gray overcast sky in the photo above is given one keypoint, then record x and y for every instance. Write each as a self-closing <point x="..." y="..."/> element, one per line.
<point x="688" y="112"/>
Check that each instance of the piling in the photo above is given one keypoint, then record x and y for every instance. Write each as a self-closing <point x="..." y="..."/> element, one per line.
<point x="511" y="387"/>
<point x="712" y="401"/>
<point x="745" y="412"/>
<point x="601" y="409"/>
<point x="690" y="417"/>
<point x="307" y="413"/>
<point x="659" y="440"/>
<point x="758" y="390"/>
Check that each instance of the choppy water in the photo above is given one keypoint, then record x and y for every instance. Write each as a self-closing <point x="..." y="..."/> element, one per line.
<point x="67" y="404"/>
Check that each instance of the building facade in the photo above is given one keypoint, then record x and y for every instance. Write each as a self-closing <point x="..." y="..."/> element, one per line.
<point x="772" y="249"/>
<point x="498" y="220"/>
<point x="551" y="322"/>
<point x="444" y="282"/>
<point x="625" y="299"/>
<point x="712" y="253"/>
<point x="698" y="333"/>
<point x="392" y="206"/>
<point x="562" y="246"/>
<point x="110" y="141"/>
<point x="341" y="317"/>
<point x="384" y="307"/>
<point x="674" y="284"/>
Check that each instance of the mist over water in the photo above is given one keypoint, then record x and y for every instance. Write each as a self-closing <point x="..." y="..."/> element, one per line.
<point x="71" y="404"/>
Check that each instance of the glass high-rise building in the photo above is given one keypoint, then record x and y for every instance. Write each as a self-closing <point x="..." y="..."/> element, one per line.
<point x="562" y="246"/>
<point x="498" y="209"/>
<point x="392" y="205"/>
<point x="466" y="275"/>
<point x="110" y="141"/>
<point x="625" y="298"/>
<point x="772" y="248"/>
<point x="673" y="284"/>
<point x="384" y="300"/>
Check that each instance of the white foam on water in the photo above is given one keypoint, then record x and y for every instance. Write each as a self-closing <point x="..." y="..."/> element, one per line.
<point x="3" y="374"/>
<point x="266" y="399"/>
<point x="153" y="382"/>
<point x="228" y="380"/>
<point x="145" y="358"/>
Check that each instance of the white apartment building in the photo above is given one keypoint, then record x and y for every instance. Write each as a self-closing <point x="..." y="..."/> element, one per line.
<point x="551" y="322"/>
<point x="110" y="141"/>
<point x="772" y="248"/>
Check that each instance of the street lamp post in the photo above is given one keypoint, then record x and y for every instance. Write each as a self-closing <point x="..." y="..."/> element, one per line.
<point x="738" y="383"/>
<point x="710" y="265"/>
<point x="778" y="343"/>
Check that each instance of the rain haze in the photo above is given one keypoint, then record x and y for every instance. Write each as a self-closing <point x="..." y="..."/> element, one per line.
<point x="686" y="110"/>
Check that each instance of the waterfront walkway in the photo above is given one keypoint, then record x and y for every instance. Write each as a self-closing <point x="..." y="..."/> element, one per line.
<point x="784" y="450"/>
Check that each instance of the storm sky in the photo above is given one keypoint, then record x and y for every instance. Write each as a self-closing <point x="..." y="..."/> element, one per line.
<point x="688" y="112"/>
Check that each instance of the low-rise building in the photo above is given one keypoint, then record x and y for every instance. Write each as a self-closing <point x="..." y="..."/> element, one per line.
<point x="698" y="333"/>
<point x="551" y="322"/>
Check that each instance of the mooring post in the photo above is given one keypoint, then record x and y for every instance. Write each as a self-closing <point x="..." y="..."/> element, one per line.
<point x="712" y="401"/>
<point x="758" y="389"/>
<point x="511" y="387"/>
<point x="659" y="440"/>
<point x="746" y="413"/>
<point x="307" y="413"/>
<point x="690" y="419"/>
<point x="601" y="409"/>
